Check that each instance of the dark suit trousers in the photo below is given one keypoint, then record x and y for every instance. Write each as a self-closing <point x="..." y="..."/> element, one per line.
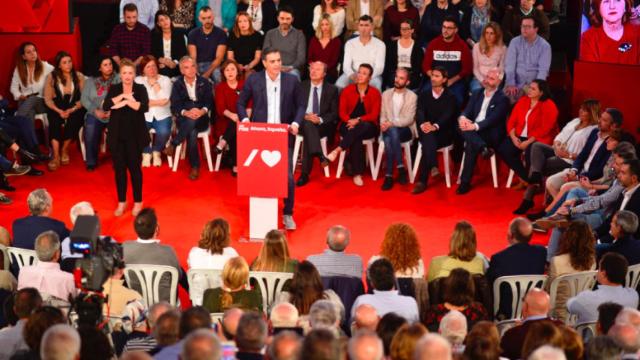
<point x="127" y="157"/>
<point x="475" y="141"/>
<point x="289" y="200"/>
<point x="431" y="142"/>
<point x="512" y="156"/>
<point x="312" y="134"/>
<point x="352" y="140"/>
<point x="230" y="136"/>
<point x="187" y="130"/>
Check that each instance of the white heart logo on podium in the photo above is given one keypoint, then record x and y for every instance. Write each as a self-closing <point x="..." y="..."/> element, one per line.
<point x="271" y="158"/>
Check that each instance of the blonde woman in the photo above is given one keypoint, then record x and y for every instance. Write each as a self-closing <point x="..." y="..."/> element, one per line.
<point x="325" y="48"/>
<point x="274" y="255"/>
<point x="234" y="291"/>
<point x="336" y="15"/>
<point x="462" y="254"/>
<point x="488" y="53"/>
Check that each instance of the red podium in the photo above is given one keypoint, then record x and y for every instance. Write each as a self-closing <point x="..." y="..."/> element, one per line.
<point x="262" y="173"/>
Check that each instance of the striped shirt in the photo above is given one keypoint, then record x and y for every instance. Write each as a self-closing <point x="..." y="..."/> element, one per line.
<point x="145" y="344"/>
<point x="337" y="263"/>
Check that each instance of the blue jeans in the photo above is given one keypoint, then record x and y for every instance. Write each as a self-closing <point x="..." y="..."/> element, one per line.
<point x="393" y="138"/>
<point x="163" y="130"/>
<point x="215" y="75"/>
<point x="93" y="128"/>
<point x="575" y="193"/>
<point x="594" y="219"/>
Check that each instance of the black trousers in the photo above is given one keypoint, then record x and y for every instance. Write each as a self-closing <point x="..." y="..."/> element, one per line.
<point x="475" y="141"/>
<point x="352" y="140"/>
<point x="431" y="142"/>
<point x="127" y="157"/>
<point x="312" y="134"/>
<point x="230" y="136"/>
<point x="512" y="156"/>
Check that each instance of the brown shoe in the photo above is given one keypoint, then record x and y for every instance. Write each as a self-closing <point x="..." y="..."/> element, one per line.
<point x="194" y="174"/>
<point x="169" y="150"/>
<point x="64" y="159"/>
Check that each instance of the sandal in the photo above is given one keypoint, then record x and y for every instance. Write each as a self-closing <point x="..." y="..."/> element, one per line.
<point x="53" y="165"/>
<point x="64" y="159"/>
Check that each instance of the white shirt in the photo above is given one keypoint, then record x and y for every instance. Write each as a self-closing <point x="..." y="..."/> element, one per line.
<point x="310" y="101"/>
<point x="164" y="111"/>
<point x="256" y="15"/>
<point x="337" y="20"/>
<point x="356" y="53"/>
<point x="166" y="48"/>
<point x="404" y="55"/>
<point x="397" y="100"/>
<point x="200" y="258"/>
<point x="525" y="129"/>
<point x="364" y="8"/>
<point x="573" y="139"/>
<point x="483" y="109"/>
<point x="273" y="99"/>
<point x="593" y="152"/>
<point x="33" y="87"/>
<point x="627" y="196"/>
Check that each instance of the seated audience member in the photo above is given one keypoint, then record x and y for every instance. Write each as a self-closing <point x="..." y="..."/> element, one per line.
<point x="147" y="249"/>
<point x="40" y="320"/>
<point x="285" y="345"/>
<point x="28" y="80"/>
<point x="95" y="344"/>
<point x="433" y="346"/>
<point x="404" y="52"/>
<point x="17" y="133"/>
<point x="284" y="315"/>
<point x="251" y="337"/>
<point x="334" y="261"/>
<point x="357" y="9"/>
<point x="158" y="117"/>
<point x="26" y="229"/>
<point x="207" y="46"/>
<point x="330" y="10"/>
<point x="404" y="342"/>
<point x="475" y="19"/>
<point x="289" y="41"/>
<point x="512" y="20"/>
<point x="611" y="279"/>
<point x="535" y="308"/>
<point x="462" y="254"/>
<point x="528" y="58"/>
<point x="385" y="297"/>
<point x="482" y="125"/>
<point x="397" y="124"/>
<point x="26" y="301"/>
<point x="487" y="53"/>
<point x="261" y="12"/>
<point x="274" y="254"/>
<point x="96" y="120"/>
<point x="214" y="247"/>
<point x="533" y="119"/>
<point x="449" y="51"/>
<point x="167" y="44"/>
<point x="303" y="11"/>
<point x="119" y="295"/>
<point x="548" y="347"/>
<point x="624" y="227"/>
<point x="602" y="347"/>
<point x="453" y="327"/>
<point x="46" y="275"/>
<point x="62" y="91"/>
<point x="131" y="39"/>
<point x="201" y="344"/>
<point x="323" y="315"/>
<point x="182" y="14"/>
<point x="165" y="333"/>
<point x="60" y="341"/>
<point x="365" y="345"/>
<point x="395" y="15"/>
<point x="245" y="45"/>
<point x="572" y="343"/>
<point x="154" y="315"/>
<point x="325" y="48"/>
<point x="359" y="113"/>
<point x="576" y="254"/>
<point x="433" y="18"/>
<point x="233" y="290"/>
<point x="190" y="102"/>
<point x="435" y="119"/>
<point x="363" y="49"/>
<point x="401" y="247"/>
<point x="482" y="342"/>
<point x="365" y="317"/>
<point x="192" y="319"/>
<point x="230" y="319"/>
<point x="459" y="292"/>
<point x="321" y="344"/>
<point x="387" y="328"/>
<point x="607" y="314"/>
<point x="321" y="118"/>
<point x="146" y="8"/>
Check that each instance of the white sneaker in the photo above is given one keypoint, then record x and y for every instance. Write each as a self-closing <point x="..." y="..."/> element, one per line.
<point x="146" y="160"/>
<point x="358" y="180"/>
<point x="288" y="222"/>
<point x="157" y="159"/>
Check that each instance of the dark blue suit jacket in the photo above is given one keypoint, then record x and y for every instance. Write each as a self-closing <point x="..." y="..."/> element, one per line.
<point x="27" y="229"/>
<point x="496" y="117"/>
<point x="627" y="246"/>
<point x="292" y="102"/>
<point x="204" y="98"/>
<point x="598" y="161"/>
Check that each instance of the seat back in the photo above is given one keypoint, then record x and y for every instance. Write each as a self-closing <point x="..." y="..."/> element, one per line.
<point x="4" y="254"/>
<point x="270" y="285"/>
<point x="216" y="318"/>
<point x="201" y="280"/>
<point x="519" y="285"/>
<point x="149" y="277"/>
<point x="347" y="288"/>
<point x="633" y="276"/>
<point x="574" y="283"/>
<point x="586" y="331"/>
<point x="22" y="257"/>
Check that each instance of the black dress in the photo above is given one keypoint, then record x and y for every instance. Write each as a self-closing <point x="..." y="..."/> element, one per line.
<point x="244" y="48"/>
<point x="178" y="50"/>
<point x="128" y="135"/>
<point x="59" y="128"/>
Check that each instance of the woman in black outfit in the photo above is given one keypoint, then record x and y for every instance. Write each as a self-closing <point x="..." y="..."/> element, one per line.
<point x="404" y="52"/>
<point x="167" y="45"/>
<point x="128" y="134"/>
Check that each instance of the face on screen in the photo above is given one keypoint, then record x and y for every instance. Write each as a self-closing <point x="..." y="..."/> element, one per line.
<point x="612" y="10"/>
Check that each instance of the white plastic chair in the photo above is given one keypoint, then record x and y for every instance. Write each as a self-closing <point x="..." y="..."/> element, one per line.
<point x="368" y="143"/>
<point x="201" y="280"/>
<point x="406" y="147"/>
<point x="45" y="126"/>
<point x="586" y="330"/>
<point x="296" y="152"/>
<point x="519" y="286"/>
<point x="505" y="325"/>
<point x="149" y="277"/>
<point x="510" y="179"/>
<point x="5" y="256"/>
<point x="446" y="157"/>
<point x="574" y="283"/>
<point x="494" y="169"/>
<point x="633" y="276"/>
<point x="152" y="133"/>
<point x="83" y="148"/>
<point x="204" y="136"/>
<point x="270" y="284"/>
<point x="22" y="257"/>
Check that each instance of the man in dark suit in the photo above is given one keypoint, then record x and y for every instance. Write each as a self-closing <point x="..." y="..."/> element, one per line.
<point x="482" y="125"/>
<point x="277" y="99"/>
<point x="191" y="100"/>
<point x="623" y="228"/>
<point x="320" y="119"/>
<point x="27" y="229"/>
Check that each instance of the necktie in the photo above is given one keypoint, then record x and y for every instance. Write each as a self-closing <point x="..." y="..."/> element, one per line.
<point x="315" y="104"/>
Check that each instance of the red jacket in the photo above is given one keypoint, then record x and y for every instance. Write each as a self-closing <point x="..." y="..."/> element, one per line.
<point x="372" y="102"/>
<point x="542" y="123"/>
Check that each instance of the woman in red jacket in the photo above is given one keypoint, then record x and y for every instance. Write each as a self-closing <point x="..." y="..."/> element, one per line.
<point x="532" y="119"/>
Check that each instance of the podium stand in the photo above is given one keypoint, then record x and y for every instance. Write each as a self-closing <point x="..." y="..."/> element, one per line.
<point x="262" y="173"/>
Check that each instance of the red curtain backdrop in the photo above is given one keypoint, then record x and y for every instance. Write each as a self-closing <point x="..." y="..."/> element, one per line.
<point x="35" y="16"/>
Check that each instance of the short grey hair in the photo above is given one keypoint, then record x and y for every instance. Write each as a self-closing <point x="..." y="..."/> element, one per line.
<point x="498" y="72"/>
<point x="626" y="336"/>
<point x="185" y="59"/>
<point x="47" y="244"/>
<point x="333" y="232"/>
<point x="431" y="344"/>
<point x="453" y="327"/>
<point x="627" y="221"/>
<point x="201" y="344"/>
<point x="628" y="315"/>
<point x="81" y="208"/>
<point x="60" y="342"/>
<point x="547" y="352"/>
<point x="322" y="315"/>
<point x="282" y="337"/>
<point x="156" y="310"/>
<point x="284" y="315"/>
<point x="38" y="201"/>
<point x="365" y="335"/>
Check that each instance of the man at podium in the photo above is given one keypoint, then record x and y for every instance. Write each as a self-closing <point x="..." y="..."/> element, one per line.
<point x="277" y="99"/>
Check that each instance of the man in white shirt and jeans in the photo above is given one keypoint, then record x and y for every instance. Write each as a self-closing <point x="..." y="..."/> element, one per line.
<point x="364" y="49"/>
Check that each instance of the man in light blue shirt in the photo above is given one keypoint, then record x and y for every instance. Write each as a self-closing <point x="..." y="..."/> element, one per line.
<point x="611" y="279"/>
<point x="146" y="11"/>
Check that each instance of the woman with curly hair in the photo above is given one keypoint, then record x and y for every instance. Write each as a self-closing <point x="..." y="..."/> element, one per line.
<point x="462" y="254"/>
<point x="401" y="247"/>
<point x="213" y="248"/>
<point x="274" y="254"/>
<point x="404" y="342"/>
<point x="482" y="342"/>
<point x="233" y="292"/>
<point x="577" y="253"/>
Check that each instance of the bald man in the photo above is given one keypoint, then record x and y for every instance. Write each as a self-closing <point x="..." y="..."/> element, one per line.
<point x="366" y="317"/>
<point x="535" y="307"/>
<point x="285" y="346"/>
<point x="366" y="345"/>
<point x="229" y="326"/>
<point x="284" y="315"/>
<point x="627" y="337"/>
<point x="433" y="347"/>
